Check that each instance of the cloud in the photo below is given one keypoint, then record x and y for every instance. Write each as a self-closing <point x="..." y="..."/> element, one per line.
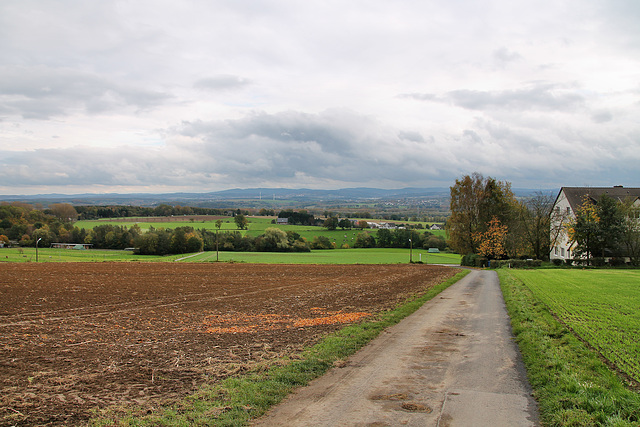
<point x="42" y="92"/>
<point x="504" y="56"/>
<point x="211" y="95"/>
<point x="536" y="96"/>
<point x="222" y="82"/>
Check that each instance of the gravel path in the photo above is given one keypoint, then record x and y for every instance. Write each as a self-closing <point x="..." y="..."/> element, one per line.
<point x="452" y="363"/>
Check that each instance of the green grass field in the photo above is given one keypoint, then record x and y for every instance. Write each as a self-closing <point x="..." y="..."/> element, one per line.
<point x="331" y="256"/>
<point x="601" y="306"/>
<point x="257" y="226"/>
<point x="566" y="322"/>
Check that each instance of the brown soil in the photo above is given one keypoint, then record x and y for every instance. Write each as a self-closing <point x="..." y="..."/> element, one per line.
<point x="77" y="337"/>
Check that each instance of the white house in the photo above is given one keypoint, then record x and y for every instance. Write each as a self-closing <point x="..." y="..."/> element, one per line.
<point x="569" y="200"/>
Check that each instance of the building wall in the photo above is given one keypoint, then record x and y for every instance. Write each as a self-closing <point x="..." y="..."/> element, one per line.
<point x="562" y="250"/>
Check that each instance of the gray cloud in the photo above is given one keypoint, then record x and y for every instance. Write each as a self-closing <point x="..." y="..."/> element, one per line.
<point x="42" y="92"/>
<point x="538" y="96"/>
<point x="602" y="117"/>
<point x="504" y="56"/>
<point x="210" y="95"/>
<point x="222" y="82"/>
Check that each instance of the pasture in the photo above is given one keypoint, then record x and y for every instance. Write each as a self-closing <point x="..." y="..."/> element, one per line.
<point x="577" y="331"/>
<point x="330" y="256"/>
<point x="257" y="226"/>
<point x="600" y="306"/>
<point x="76" y="338"/>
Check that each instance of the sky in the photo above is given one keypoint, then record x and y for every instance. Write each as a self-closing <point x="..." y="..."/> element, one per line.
<point x="155" y="96"/>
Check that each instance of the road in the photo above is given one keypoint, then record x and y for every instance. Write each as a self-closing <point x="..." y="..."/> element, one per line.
<point x="452" y="363"/>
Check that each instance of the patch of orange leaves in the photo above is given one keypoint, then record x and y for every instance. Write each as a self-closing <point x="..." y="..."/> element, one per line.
<point x="219" y="324"/>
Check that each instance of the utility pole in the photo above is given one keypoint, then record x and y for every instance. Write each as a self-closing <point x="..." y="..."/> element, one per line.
<point x="37" y="241"/>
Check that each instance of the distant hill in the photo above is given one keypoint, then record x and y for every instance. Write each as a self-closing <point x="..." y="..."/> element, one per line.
<point x="240" y="197"/>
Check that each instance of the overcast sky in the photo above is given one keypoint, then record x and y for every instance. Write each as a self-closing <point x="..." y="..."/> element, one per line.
<point x="167" y="96"/>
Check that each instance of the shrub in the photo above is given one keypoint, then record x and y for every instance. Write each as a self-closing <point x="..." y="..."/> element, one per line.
<point x="516" y="263"/>
<point x="469" y="260"/>
<point x="617" y="262"/>
<point x="557" y="262"/>
<point x="474" y="260"/>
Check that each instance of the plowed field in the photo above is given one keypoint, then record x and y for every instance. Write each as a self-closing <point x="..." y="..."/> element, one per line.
<point x="75" y="337"/>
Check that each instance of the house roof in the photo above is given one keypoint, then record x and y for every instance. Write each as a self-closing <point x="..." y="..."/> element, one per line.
<point x="575" y="195"/>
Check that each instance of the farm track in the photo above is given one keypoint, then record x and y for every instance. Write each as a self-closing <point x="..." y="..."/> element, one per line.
<point x="80" y="337"/>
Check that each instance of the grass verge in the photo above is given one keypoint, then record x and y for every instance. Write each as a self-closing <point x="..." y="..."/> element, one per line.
<point x="572" y="385"/>
<point x="236" y="400"/>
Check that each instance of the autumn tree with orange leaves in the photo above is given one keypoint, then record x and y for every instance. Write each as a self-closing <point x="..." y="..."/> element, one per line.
<point x="491" y="243"/>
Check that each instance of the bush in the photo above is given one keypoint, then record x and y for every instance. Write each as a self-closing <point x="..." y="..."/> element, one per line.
<point x="469" y="260"/>
<point x="617" y="262"/>
<point x="557" y="262"/>
<point x="474" y="260"/>
<point x="321" y="242"/>
<point x="516" y="263"/>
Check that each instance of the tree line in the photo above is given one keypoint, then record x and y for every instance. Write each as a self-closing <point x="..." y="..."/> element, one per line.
<point x="117" y="211"/>
<point x="488" y="221"/>
<point x="25" y="224"/>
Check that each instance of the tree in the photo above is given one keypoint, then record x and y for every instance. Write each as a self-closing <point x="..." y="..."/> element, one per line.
<point x="331" y="223"/>
<point x="364" y="240"/>
<point x="475" y="200"/>
<point x="321" y="242"/>
<point x="363" y="224"/>
<point x="431" y="241"/>
<point x="536" y="217"/>
<point x="631" y="230"/>
<point x="345" y="223"/>
<point x="583" y="229"/>
<point x="491" y="243"/>
<point x="241" y="221"/>
<point x="610" y="226"/>
<point x="64" y="211"/>
<point x="384" y="238"/>
<point x="195" y="243"/>
<point x="274" y="239"/>
<point x="179" y="241"/>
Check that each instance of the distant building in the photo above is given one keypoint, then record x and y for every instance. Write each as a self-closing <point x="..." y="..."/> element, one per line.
<point x="71" y="245"/>
<point x="570" y="199"/>
<point x="282" y="221"/>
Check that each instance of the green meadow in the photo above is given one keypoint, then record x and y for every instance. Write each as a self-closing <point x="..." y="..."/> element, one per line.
<point x="257" y="226"/>
<point x="329" y="256"/>
<point x="600" y="306"/>
<point x="578" y="333"/>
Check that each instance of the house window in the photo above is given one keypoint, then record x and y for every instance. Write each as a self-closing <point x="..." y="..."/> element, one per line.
<point x="562" y="252"/>
<point x="555" y="250"/>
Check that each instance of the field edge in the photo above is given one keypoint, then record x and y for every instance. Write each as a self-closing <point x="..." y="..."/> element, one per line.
<point x="237" y="400"/>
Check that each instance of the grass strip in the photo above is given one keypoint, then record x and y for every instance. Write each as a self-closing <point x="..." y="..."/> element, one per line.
<point x="571" y="383"/>
<point x="236" y="400"/>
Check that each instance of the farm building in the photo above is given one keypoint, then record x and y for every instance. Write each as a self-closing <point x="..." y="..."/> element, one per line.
<point x="570" y="199"/>
<point x="71" y="245"/>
